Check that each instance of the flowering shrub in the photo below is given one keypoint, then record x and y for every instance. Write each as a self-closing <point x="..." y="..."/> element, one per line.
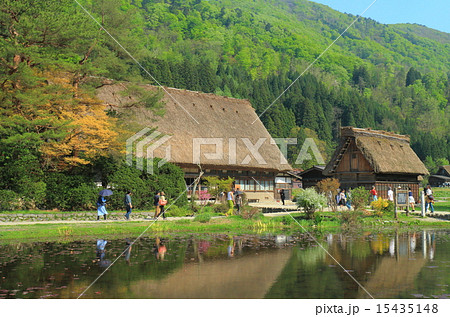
<point x="382" y="205"/>
<point x="204" y="196"/>
<point x="310" y="201"/>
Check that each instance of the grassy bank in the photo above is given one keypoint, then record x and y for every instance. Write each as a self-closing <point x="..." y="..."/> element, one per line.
<point x="323" y="222"/>
<point x="442" y="196"/>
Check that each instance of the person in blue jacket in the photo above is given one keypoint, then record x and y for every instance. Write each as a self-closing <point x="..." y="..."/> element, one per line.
<point x="101" y="207"/>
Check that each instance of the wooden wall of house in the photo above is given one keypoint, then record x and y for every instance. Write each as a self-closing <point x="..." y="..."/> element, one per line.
<point x="354" y="170"/>
<point x="383" y="187"/>
<point x="353" y="161"/>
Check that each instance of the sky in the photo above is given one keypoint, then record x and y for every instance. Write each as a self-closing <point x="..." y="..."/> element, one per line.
<point x="431" y="13"/>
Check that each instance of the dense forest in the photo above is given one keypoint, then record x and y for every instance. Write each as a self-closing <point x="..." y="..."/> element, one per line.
<point x="391" y="77"/>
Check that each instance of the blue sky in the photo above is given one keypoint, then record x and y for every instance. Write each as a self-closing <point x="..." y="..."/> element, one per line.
<point x="431" y="13"/>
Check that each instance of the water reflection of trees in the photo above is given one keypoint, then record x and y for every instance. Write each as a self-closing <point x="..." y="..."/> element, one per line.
<point x="65" y="270"/>
<point x="192" y="266"/>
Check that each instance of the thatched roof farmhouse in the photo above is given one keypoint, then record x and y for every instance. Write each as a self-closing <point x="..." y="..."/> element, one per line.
<point x="222" y="135"/>
<point x="368" y="157"/>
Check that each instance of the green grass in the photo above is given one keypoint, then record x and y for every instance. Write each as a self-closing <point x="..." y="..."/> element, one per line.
<point x="321" y="222"/>
<point x="442" y="206"/>
<point x="440" y="192"/>
<point x="80" y="231"/>
<point x="442" y="196"/>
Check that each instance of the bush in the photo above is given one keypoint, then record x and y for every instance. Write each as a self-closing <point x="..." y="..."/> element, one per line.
<point x="249" y="212"/>
<point x="168" y="178"/>
<point x="220" y="208"/>
<point x="295" y="192"/>
<point x="350" y="218"/>
<point x="9" y="200"/>
<point x="206" y="209"/>
<point x="287" y="220"/>
<point x="359" y="198"/>
<point x="382" y="206"/>
<point x="175" y="211"/>
<point x="310" y="201"/>
<point x="32" y="195"/>
<point x="318" y="219"/>
<point x="203" y="217"/>
<point x="70" y="192"/>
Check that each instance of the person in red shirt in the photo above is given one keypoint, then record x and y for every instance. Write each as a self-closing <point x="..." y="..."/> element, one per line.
<point x="374" y="194"/>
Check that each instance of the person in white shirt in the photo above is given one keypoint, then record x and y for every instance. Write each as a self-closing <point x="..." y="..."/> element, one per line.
<point x="390" y="194"/>
<point x="429" y="199"/>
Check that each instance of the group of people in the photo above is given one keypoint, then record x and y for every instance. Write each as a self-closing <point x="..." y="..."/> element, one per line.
<point x="390" y="194"/>
<point x="343" y="199"/>
<point x="429" y="198"/>
<point x="159" y="202"/>
<point x="234" y="198"/>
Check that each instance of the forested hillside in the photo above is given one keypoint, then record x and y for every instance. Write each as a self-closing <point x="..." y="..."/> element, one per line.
<point x="392" y="77"/>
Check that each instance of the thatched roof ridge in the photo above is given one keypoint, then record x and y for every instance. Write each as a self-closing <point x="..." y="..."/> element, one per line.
<point x="192" y="115"/>
<point x="354" y="132"/>
<point x="386" y="152"/>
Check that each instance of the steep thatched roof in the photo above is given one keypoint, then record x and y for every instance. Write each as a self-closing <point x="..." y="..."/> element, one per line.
<point x="192" y="115"/>
<point x="386" y="152"/>
<point x="445" y="168"/>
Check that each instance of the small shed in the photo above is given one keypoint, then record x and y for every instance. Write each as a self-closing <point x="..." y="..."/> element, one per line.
<point x="312" y="176"/>
<point x="368" y="157"/>
<point x="441" y="178"/>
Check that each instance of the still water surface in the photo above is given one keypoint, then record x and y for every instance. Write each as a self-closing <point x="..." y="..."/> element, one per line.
<point x="410" y="265"/>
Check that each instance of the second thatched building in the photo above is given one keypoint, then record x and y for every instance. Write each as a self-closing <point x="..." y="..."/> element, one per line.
<point x="368" y="157"/>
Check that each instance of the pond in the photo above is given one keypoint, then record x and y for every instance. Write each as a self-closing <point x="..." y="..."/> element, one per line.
<point x="389" y="265"/>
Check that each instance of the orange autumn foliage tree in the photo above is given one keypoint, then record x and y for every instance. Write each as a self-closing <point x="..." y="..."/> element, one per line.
<point x="89" y="132"/>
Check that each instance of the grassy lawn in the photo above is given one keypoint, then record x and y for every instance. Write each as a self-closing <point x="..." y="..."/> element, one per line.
<point x="442" y="206"/>
<point x="442" y="196"/>
<point x="441" y="192"/>
<point x="117" y="229"/>
<point x="322" y="222"/>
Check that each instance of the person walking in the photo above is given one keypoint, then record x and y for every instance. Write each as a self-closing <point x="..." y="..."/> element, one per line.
<point x="429" y="199"/>
<point x="390" y="194"/>
<point x="162" y="204"/>
<point x="282" y="196"/>
<point x="156" y="204"/>
<point x="128" y="205"/>
<point x="374" y="193"/>
<point x="411" y="200"/>
<point x="101" y="207"/>
<point x="230" y="202"/>
<point x="238" y="203"/>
